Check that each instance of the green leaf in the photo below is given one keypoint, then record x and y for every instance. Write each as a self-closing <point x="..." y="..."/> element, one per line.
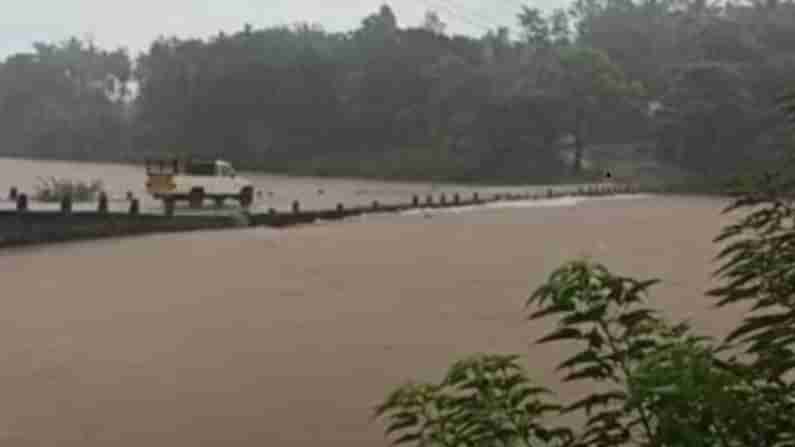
<point x="630" y="319"/>
<point x="732" y="296"/>
<point x="403" y="423"/>
<point x="408" y="438"/>
<point x="608" y="419"/>
<point x="549" y="435"/>
<point x="754" y="324"/>
<point x="565" y="333"/>
<point x="592" y="315"/>
<point x="551" y="310"/>
<point x="584" y="357"/>
<point x="597" y="373"/>
<point x="642" y="286"/>
<point x="598" y="399"/>
<point x="595" y="339"/>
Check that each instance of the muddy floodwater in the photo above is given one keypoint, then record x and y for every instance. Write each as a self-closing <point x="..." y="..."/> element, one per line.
<point x="263" y="337"/>
<point x="274" y="191"/>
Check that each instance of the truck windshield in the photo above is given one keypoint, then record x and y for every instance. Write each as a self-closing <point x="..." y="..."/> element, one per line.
<point x="201" y="169"/>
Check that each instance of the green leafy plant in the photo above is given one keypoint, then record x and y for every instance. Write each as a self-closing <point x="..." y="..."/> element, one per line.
<point x="604" y="314"/>
<point x="483" y="400"/>
<point x="759" y="272"/>
<point x="693" y="397"/>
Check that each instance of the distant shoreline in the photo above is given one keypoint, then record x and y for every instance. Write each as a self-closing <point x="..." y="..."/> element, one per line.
<point x="299" y="175"/>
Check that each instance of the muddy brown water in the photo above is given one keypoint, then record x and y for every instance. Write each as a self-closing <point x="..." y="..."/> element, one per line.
<point x="277" y="191"/>
<point x="289" y="337"/>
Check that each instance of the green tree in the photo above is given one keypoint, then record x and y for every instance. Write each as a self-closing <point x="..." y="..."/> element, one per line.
<point x="536" y="29"/>
<point x="710" y="120"/>
<point x="64" y="101"/>
<point x="589" y="86"/>
<point x="433" y="23"/>
<point x="560" y="27"/>
<point x="302" y="95"/>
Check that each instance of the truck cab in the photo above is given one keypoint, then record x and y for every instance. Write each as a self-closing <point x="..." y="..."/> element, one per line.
<point x="195" y="180"/>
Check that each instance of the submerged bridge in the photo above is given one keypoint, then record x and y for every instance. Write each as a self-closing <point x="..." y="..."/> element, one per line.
<point x="23" y="225"/>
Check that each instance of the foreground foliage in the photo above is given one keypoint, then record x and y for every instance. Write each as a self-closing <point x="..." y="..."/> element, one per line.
<point x="654" y="382"/>
<point x="483" y="399"/>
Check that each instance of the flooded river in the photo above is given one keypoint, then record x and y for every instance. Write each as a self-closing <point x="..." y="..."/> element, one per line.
<point x="262" y="337"/>
<point x="278" y="192"/>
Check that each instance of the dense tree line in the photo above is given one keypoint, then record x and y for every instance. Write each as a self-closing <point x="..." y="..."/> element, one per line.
<point x="63" y="101"/>
<point x="695" y="83"/>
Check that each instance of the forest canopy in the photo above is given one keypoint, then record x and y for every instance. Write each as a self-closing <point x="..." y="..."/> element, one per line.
<point x="691" y="84"/>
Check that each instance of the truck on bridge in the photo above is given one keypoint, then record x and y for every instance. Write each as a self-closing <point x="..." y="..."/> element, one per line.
<point x="195" y="180"/>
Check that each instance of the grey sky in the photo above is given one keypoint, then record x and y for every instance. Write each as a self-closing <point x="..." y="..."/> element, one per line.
<point x="135" y="24"/>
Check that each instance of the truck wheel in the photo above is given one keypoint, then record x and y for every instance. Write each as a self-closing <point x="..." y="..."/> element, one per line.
<point x="196" y="198"/>
<point x="246" y="197"/>
<point x="168" y="205"/>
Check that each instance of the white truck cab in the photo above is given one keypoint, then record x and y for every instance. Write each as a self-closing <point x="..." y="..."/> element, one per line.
<point x="195" y="180"/>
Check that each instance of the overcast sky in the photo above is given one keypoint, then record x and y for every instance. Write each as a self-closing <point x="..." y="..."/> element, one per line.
<point x="135" y="24"/>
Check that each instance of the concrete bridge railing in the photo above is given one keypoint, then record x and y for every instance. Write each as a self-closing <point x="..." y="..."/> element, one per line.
<point x="24" y="225"/>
